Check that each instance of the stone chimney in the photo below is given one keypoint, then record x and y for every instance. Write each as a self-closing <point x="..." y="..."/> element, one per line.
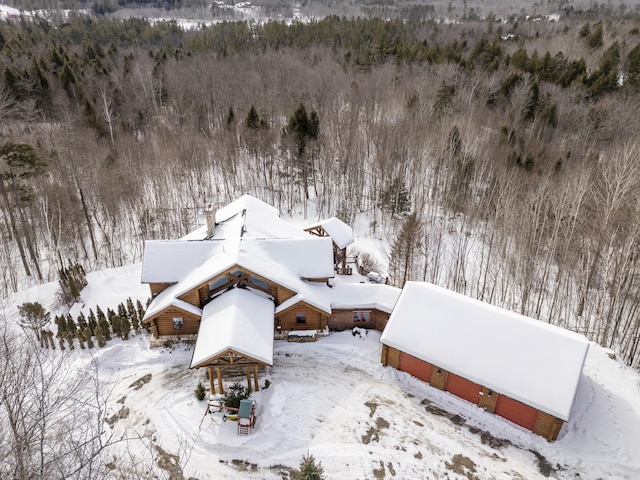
<point x="210" y="215"/>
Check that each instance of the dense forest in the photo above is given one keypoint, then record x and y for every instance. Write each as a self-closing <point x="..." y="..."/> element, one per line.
<point x="499" y="157"/>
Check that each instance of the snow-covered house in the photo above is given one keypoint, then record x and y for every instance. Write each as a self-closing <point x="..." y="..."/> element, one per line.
<point x="247" y="276"/>
<point x="522" y="369"/>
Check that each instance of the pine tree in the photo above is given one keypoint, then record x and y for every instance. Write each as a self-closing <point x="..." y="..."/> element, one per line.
<point x="82" y="321"/>
<point x="125" y="328"/>
<point x="253" y="119"/>
<point x="132" y="314"/>
<point x="69" y="338"/>
<point x="100" y="336"/>
<point x="122" y="311"/>
<point x="61" y="322"/>
<point x="141" y="309"/>
<point x="105" y="329"/>
<point x="231" y="116"/>
<point x="116" y="325"/>
<point x="80" y="338"/>
<point x="71" y="325"/>
<point x="309" y="470"/>
<point x="87" y="332"/>
<point x="405" y="249"/>
<point x="92" y="321"/>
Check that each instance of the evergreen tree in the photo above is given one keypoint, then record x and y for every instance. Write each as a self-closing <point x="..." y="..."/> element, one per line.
<point x="92" y="321"/>
<point x="80" y="338"/>
<point x="405" y="248"/>
<point x="105" y="329"/>
<point x="125" y="328"/>
<point x="309" y="469"/>
<point x="633" y="67"/>
<point x="231" y="116"/>
<point x="71" y="325"/>
<point x="116" y="325"/>
<point x="303" y="128"/>
<point x="87" y="332"/>
<point x="395" y="198"/>
<point x="253" y="120"/>
<point x="122" y="310"/>
<point x="72" y="279"/>
<point x="99" y="333"/>
<point x="132" y="313"/>
<point x="81" y="321"/>
<point x="69" y="337"/>
<point x="61" y="322"/>
<point x="141" y="309"/>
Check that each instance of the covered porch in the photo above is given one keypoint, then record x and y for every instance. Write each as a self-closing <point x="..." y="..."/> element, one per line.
<point x="235" y="337"/>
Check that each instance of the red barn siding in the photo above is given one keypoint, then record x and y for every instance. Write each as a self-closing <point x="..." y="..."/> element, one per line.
<point x="414" y="366"/>
<point x="516" y="411"/>
<point x="463" y="388"/>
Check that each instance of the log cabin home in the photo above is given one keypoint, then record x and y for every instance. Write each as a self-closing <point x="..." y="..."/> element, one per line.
<point x="522" y="369"/>
<point x="247" y="277"/>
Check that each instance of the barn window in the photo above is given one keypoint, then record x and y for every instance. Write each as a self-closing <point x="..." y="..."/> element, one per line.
<point x="439" y="371"/>
<point x="301" y="318"/>
<point x="361" y="316"/>
<point x="490" y="393"/>
<point x="178" y="323"/>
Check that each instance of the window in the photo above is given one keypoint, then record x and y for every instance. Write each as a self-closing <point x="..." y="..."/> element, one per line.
<point x="259" y="283"/>
<point x="178" y="323"/>
<point x="236" y="272"/>
<point x="301" y="318"/>
<point x="361" y="316"/>
<point x="217" y="283"/>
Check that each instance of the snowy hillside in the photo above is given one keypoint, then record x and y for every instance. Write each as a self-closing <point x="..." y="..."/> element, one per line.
<point x="334" y="400"/>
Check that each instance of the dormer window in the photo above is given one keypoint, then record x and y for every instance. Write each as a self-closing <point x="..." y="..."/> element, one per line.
<point x="259" y="283"/>
<point x="236" y="272"/>
<point x="217" y="283"/>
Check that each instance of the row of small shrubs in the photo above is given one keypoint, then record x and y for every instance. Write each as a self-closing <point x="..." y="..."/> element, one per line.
<point x="96" y="328"/>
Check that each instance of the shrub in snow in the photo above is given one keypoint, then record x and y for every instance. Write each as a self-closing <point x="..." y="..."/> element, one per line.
<point x="199" y="391"/>
<point x="267" y="383"/>
<point x="309" y="469"/>
<point x="34" y="317"/>
<point x="234" y="394"/>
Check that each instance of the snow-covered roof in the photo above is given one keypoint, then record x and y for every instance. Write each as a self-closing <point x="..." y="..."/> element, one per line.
<point x="167" y="298"/>
<point x="248" y="217"/>
<point x="168" y="261"/>
<point x="240" y="320"/>
<point x="364" y="295"/>
<point x="530" y="361"/>
<point x="340" y="232"/>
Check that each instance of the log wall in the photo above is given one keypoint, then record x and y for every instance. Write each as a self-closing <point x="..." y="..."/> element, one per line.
<point x="315" y="319"/>
<point x="162" y="323"/>
<point x="343" y="319"/>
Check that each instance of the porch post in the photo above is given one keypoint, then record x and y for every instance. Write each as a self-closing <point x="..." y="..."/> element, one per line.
<point x="255" y="378"/>
<point x="212" y="387"/>
<point x="248" y="372"/>
<point x="219" y="374"/>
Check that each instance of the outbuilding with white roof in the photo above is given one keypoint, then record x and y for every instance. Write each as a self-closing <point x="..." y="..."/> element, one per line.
<point x="520" y="368"/>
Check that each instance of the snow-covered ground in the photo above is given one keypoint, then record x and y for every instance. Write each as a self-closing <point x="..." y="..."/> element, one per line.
<point x="333" y="399"/>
